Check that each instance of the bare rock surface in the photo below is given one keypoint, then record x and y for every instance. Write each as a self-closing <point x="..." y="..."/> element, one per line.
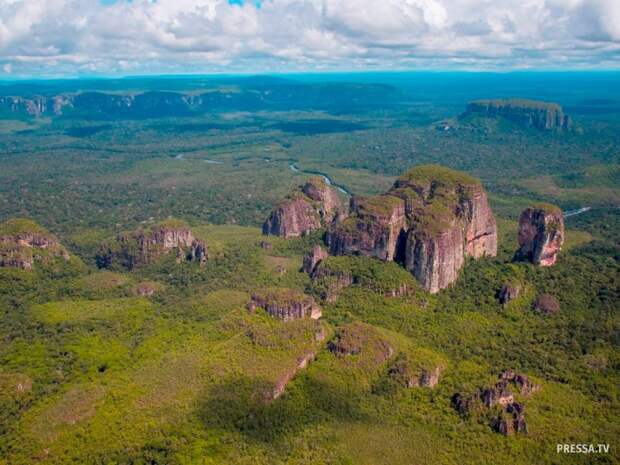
<point x="502" y="399"/>
<point x="23" y="243"/>
<point x="431" y="220"/>
<point x="285" y="304"/>
<point x="545" y="116"/>
<point x="145" y="246"/>
<point x="308" y="208"/>
<point x="541" y="234"/>
<point x="313" y="258"/>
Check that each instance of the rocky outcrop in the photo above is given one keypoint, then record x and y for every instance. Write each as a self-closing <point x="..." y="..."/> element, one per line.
<point x="511" y="420"/>
<point x="547" y="304"/>
<point x="144" y="247"/>
<point x="431" y="220"/>
<point x="510" y="417"/>
<point x="541" y="234"/>
<point x="526" y="113"/>
<point x="357" y="338"/>
<point x="266" y="245"/>
<point x="146" y="289"/>
<point x="509" y="292"/>
<point x="23" y="242"/>
<point x="325" y="196"/>
<point x="332" y="281"/>
<point x="372" y="229"/>
<point x="307" y="209"/>
<point x="285" y="304"/>
<point x="313" y="258"/>
<point x="302" y="363"/>
<point x="403" y="371"/>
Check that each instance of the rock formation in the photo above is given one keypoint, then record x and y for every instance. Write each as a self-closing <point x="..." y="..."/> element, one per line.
<point x="144" y="247"/>
<point x="547" y="304"/>
<point x="356" y="338"/>
<point x="509" y="292"/>
<point x="307" y="209"/>
<point x="146" y="288"/>
<point x="313" y="258"/>
<point x="511" y="413"/>
<point x="526" y="113"/>
<point x="302" y="363"/>
<point x="285" y="304"/>
<point x="23" y="242"/>
<point x="541" y="234"/>
<point x="403" y="371"/>
<point x="431" y="220"/>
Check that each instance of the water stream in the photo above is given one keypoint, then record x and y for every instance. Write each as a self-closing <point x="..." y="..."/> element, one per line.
<point x="294" y="168"/>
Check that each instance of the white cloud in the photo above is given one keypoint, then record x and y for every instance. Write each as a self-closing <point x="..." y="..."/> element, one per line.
<point x="85" y="36"/>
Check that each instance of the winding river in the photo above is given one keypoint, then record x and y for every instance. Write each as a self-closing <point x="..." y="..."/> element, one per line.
<point x="295" y="168"/>
<point x="576" y="212"/>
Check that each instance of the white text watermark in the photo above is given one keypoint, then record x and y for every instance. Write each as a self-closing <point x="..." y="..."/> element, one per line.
<point x="582" y="448"/>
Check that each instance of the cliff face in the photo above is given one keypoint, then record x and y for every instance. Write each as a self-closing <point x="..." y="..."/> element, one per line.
<point x="23" y="242"/>
<point x="313" y="258"/>
<point x="146" y="246"/>
<point x="307" y="209"/>
<point x="527" y="113"/>
<point x="541" y="235"/>
<point x="328" y="201"/>
<point x="292" y="218"/>
<point x="435" y="259"/>
<point x="372" y="229"/>
<point x="430" y="220"/>
<point x="285" y="304"/>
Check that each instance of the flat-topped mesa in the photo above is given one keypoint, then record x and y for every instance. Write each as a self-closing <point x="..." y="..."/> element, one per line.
<point x="23" y="242"/>
<point x="527" y="113"/>
<point x="450" y="219"/>
<point x="430" y="220"/>
<point x="541" y="234"/>
<point x="285" y="304"/>
<point x="143" y="247"/>
<point x="308" y="208"/>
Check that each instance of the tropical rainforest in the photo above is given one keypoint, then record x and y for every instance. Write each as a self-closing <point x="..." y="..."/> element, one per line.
<point x="145" y="317"/>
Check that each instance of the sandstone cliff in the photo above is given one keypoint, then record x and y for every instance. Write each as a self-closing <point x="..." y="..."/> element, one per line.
<point x="143" y="247"/>
<point x="541" y="234"/>
<point x="313" y="258"/>
<point x="307" y="209"/>
<point x="23" y="242"/>
<point x="373" y="228"/>
<point x="285" y="304"/>
<point x="430" y="220"/>
<point x="527" y="113"/>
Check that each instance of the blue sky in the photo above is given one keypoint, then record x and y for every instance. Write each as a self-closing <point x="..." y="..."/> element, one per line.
<point x="120" y="37"/>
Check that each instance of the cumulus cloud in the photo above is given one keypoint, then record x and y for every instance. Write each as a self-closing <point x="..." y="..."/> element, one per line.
<point x="142" y="36"/>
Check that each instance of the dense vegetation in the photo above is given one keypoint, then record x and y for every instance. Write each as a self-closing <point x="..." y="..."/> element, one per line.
<point x="93" y="372"/>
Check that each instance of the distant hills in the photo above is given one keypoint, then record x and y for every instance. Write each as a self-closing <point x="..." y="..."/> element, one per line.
<point x="242" y="95"/>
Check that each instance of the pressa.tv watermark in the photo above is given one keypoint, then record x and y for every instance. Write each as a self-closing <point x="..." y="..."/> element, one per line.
<point x="582" y="448"/>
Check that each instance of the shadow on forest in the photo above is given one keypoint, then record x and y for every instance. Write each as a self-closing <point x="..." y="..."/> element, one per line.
<point x="242" y="405"/>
